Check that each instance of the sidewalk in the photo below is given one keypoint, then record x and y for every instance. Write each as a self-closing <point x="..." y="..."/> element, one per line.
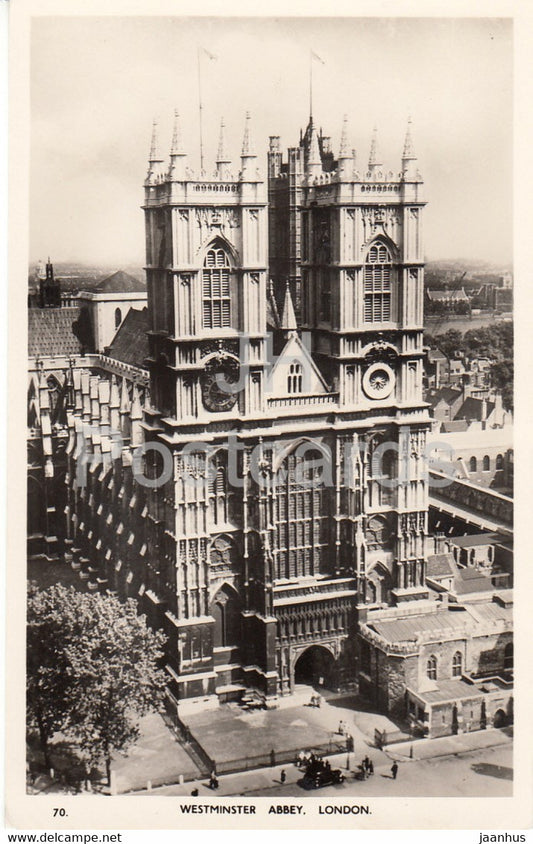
<point x="448" y="745"/>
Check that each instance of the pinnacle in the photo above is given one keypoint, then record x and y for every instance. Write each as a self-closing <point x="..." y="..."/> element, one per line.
<point x="288" y="317"/>
<point x="222" y="156"/>
<point x="247" y="145"/>
<point x="408" y="149"/>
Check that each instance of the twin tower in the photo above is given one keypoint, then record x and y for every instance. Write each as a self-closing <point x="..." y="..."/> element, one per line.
<point x="286" y="323"/>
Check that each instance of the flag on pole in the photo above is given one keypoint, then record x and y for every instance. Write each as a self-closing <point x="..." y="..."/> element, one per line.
<point x="317" y="57"/>
<point x="211" y="55"/>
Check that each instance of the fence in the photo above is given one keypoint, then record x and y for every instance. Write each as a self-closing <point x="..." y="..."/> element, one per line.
<point x="279" y="757"/>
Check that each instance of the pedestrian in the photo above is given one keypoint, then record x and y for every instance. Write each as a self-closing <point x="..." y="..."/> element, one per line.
<point x="340" y="729"/>
<point x="394" y="770"/>
<point x="366" y="763"/>
<point x="272" y="758"/>
<point x="283" y="776"/>
<point x="194" y="792"/>
<point x="370" y="767"/>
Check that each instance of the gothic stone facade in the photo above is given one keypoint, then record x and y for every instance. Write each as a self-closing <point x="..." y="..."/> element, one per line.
<point x="269" y="534"/>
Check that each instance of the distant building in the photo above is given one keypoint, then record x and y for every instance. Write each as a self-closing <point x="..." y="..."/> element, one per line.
<point x="109" y="302"/>
<point x="437" y="369"/>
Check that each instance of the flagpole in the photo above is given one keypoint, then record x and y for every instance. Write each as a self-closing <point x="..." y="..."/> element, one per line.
<point x="200" y="110"/>
<point x="310" y="85"/>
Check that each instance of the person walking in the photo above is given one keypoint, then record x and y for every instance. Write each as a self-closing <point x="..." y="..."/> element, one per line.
<point x="283" y="776"/>
<point x="394" y="770"/>
<point x="370" y="767"/>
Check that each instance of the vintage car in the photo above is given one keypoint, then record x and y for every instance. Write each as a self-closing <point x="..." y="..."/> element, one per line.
<point x="320" y="775"/>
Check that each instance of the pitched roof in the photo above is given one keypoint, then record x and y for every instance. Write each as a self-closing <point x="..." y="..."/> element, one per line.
<point x="440" y="565"/>
<point x="50" y="332"/>
<point x="471" y="580"/>
<point x="472" y="409"/>
<point x="436" y="354"/>
<point x="448" y="295"/>
<point x="120" y="282"/>
<point x="450" y="426"/>
<point x="130" y="343"/>
<point x="446" y="394"/>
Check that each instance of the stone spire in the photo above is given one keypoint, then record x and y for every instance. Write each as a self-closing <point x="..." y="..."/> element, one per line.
<point x="345" y="153"/>
<point x="248" y="155"/>
<point x="374" y="157"/>
<point x="223" y="160"/>
<point x="288" y="317"/>
<point x="154" y="160"/>
<point x="314" y="160"/>
<point x="177" y="155"/>
<point x="409" y="156"/>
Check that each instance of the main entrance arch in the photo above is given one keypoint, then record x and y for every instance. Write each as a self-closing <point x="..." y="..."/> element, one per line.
<point x="316" y="666"/>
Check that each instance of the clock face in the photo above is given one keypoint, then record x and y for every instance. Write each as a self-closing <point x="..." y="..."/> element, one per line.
<point x="378" y="381"/>
<point x="219" y="375"/>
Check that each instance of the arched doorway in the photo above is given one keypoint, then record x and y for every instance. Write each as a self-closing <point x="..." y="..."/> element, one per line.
<point x="225" y="609"/>
<point x="315" y="667"/>
<point x="500" y="719"/>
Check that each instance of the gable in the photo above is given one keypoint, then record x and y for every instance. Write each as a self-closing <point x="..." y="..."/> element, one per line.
<point x="294" y="372"/>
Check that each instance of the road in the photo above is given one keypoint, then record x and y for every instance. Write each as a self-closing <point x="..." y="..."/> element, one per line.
<point x="478" y="773"/>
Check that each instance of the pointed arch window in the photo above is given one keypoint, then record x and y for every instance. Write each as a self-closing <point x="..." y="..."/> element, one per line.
<point x="457" y="664"/>
<point x="432" y="668"/>
<point x="378" y="278"/>
<point x="216" y="290"/>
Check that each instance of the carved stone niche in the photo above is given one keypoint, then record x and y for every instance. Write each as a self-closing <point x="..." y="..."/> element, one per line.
<point x="223" y="559"/>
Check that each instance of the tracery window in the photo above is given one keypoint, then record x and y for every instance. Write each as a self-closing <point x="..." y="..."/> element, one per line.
<point x="216" y="290"/>
<point x="457" y="664"/>
<point x="300" y="516"/>
<point x="378" y="276"/>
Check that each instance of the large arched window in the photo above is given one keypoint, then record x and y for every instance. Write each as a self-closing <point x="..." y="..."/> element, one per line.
<point x="301" y="510"/>
<point x="486" y="463"/>
<point x="432" y="668"/>
<point x="118" y="317"/>
<point x="216" y="290"/>
<point x="457" y="664"/>
<point x="378" y="275"/>
<point x="473" y="464"/>
<point x="499" y="462"/>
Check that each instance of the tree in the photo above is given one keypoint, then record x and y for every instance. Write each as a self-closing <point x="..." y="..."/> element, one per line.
<point x="106" y="676"/>
<point x="47" y="678"/>
<point x="502" y="377"/>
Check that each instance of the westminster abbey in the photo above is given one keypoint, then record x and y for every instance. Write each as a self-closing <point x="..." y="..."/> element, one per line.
<point x="278" y="412"/>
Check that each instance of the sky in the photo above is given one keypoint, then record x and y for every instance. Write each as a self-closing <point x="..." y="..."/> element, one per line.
<point x="97" y="84"/>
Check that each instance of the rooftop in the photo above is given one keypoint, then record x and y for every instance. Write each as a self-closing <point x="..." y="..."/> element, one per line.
<point x="440" y="565"/>
<point x="130" y="343"/>
<point x="50" y="332"/>
<point x="120" y="282"/>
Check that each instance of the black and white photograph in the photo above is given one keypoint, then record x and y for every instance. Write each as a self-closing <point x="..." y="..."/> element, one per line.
<point x="269" y="289"/>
